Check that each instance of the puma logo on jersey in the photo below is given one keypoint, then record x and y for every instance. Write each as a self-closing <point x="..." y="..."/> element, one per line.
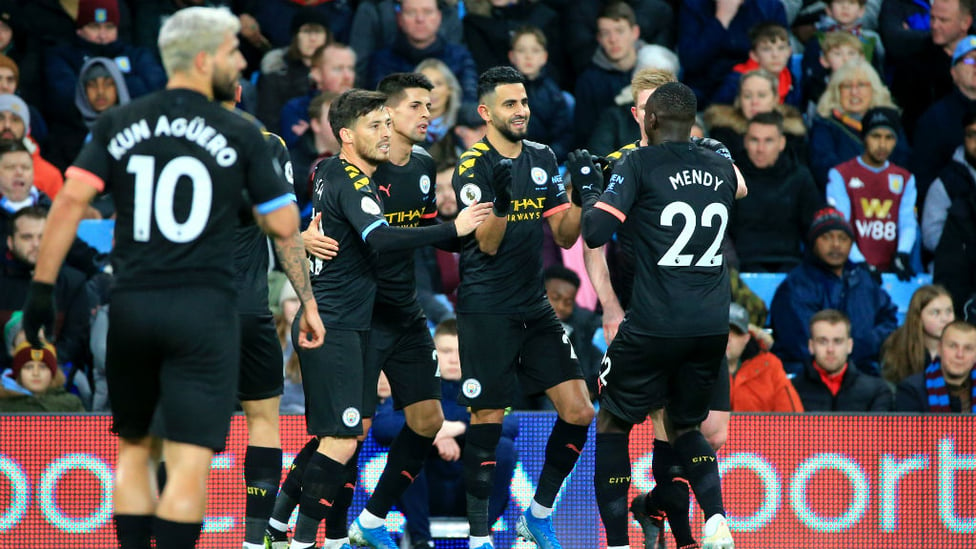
<point x="385" y="189"/>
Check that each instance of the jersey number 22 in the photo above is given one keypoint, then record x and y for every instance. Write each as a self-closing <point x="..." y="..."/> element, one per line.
<point x="711" y="258"/>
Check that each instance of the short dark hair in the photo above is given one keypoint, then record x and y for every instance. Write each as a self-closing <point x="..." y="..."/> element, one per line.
<point x="674" y="103"/>
<point x="559" y="272"/>
<point x="33" y="212"/>
<point x="12" y="145"/>
<point x="318" y="103"/>
<point x="395" y="85"/>
<point x="830" y="316"/>
<point x="497" y="76"/>
<point x="771" y="118"/>
<point x="768" y="31"/>
<point x="618" y="10"/>
<point x="448" y="326"/>
<point x="352" y="105"/>
<point x="529" y="29"/>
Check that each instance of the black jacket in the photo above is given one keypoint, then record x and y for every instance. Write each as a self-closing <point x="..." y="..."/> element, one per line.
<point x="858" y="392"/>
<point x="615" y="128"/>
<point x="769" y="225"/>
<point x="955" y="256"/>
<point x="911" y="396"/>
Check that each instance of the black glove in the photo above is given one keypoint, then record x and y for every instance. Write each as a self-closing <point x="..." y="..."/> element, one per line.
<point x="587" y="179"/>
<point x="501" y="185"/>
<point x="713" y="145"/>
<point x="873" y="271"/>
<point x="39" y="313"/>
<point x="902" y="267"/>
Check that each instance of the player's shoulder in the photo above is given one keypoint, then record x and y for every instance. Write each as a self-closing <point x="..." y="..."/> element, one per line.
<point x="419" y="152"/>
<point x="343" y="175"/>
<point x="623" y="151"/>
<point x="538" y="151"/>
<point x="535" y="146"/>
<point x="476" y="157"/>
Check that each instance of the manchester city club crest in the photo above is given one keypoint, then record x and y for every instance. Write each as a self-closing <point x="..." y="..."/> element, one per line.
<point x="896" y="183"/>
<point x="425" y="184"/>
<point x="539" y="176"/>
<point x="471" y="387"/>
<point x="350" y="417"/>
<point x="470" y="193"/>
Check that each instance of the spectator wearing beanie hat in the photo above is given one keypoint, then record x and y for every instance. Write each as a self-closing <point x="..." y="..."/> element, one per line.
<point x="827" y="279"/>
<point x="34" y="383"/>
<point x="9" y="81"/>
<point x="878" y="197"/>
<point x="15" y="119"/>
<point x="96" y="36"/>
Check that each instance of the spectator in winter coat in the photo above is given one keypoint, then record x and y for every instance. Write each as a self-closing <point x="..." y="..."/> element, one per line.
<point x="830" y="382"/>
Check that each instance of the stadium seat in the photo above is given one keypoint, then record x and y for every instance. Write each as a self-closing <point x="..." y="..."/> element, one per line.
<point x="763" y="284"/>
<point x="901" y="292"/>
<point x="97" y="233"/>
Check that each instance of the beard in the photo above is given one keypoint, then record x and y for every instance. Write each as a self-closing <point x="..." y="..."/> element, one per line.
<point x="510" y="134"/>
<point x="225" y="87"/>
<point x="373" y="155"/>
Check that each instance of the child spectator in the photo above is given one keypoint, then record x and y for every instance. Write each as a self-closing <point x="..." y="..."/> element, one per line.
<point x="34" y="383"/>
<point x="771" y="52"/>
<point x="551" y="118"/>
<point x="915" y="344"/>
<point x="877" y="197"/>
<point x="844" y="16"/>
<point x="834" y="50"/>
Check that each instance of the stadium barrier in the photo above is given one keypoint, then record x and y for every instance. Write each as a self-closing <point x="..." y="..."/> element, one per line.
<point x="801" y="481"/>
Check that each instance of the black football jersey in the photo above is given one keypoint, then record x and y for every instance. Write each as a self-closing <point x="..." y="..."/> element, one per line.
<point x="176" y="163"/>
<point x="678" y="197"/>
<point x="252" y="249"/>
<point x="511" y="280"/>
<point x="345" y="287"/>
<point x="408" y="196"/>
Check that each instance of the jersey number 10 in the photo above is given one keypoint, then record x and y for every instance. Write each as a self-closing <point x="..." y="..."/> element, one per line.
<point x="711" y="258"/>
<point x="157" y="202"/>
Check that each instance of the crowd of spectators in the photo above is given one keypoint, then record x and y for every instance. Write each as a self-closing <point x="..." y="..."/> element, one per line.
<point x="853" y="122"/>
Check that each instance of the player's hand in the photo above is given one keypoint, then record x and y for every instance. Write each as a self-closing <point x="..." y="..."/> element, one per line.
<point x="613" y="315"/>
<point x="472" y="216"/>
<point x="501" y="185"/>
<point x="316" y="243"/>
<point x="448" y="449"/>
<point x="311" y="331"/>
<point x="713" y="145"/>
<point x="587" y="179"/>
<point x="39" y="312"/>
<point x="902" y="267"/>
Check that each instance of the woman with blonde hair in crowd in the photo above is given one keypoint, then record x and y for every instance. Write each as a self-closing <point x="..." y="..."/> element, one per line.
<point x="915" y="344"/>
<point x="445" y="98"/>
<point x="835" y="133"/>
<point x="757" y="94"/>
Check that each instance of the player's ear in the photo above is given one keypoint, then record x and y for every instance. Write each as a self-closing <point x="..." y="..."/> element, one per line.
<point x="201" y="61"/>
<point x="483" y="112"/>
<point x="345" y="134"/>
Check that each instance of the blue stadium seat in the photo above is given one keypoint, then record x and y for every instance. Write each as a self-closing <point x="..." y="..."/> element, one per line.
<point x="763" y="284"/>
<point x="901" y="292"/>
<point x="97" y="233"/>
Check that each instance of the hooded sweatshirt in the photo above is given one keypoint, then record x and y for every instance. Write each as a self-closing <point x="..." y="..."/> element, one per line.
<point x="81" y="98"/>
